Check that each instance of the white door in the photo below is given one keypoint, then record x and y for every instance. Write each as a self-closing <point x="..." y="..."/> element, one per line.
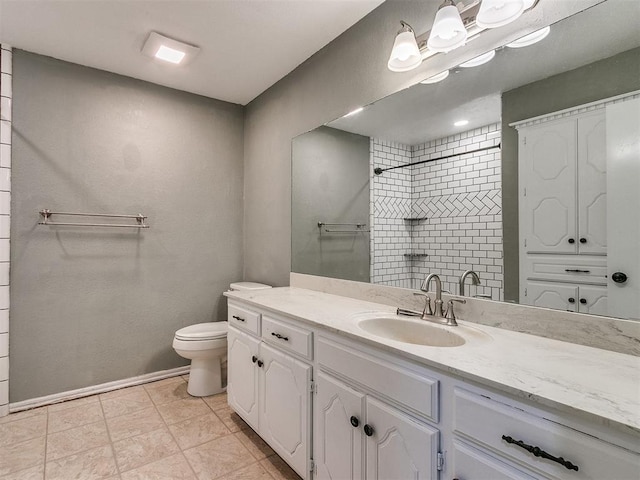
<point x="593" y="299"/>
<point x="623" y="212"/>
<point x="560" y="296"/>
<point x="242" y="377"/>
<point x="548" y="188"/>
<point x="285" y="407"/>
<point x="398" y="447"/>
<point x="592" y="184"/>
<point x="337" y="430"/>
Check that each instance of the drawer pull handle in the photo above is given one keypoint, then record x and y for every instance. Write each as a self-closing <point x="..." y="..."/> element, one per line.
<point x="280" y="337"/>
<point x="240" y="319"/>
<point x="576" y="270"/>
<point x="354" y="421"/>
<point x="538" y="452"/>
<point x="368" y="430"/>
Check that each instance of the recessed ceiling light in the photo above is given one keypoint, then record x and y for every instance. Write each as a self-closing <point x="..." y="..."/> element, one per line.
<point x="169" y="50"/>
<point x="461" y="123"/>
<point x="353" y="112"/>
<point x="436" y="78"/>
<point x="530" y="39"/>
<point x="479" y="60"/>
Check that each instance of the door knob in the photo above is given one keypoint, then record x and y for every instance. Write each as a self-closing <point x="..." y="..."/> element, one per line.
<point x="583" y="240"/>
<point x="260" y="363"/>
<point x="619" y="277"/>
<point x="254" y="359"/>
<point x="583" y="301"/>
<point x="368" y="430"/>
<point x="572" y="240"/>
<point x="572" y="300"/>
<point x="354" y="421"/>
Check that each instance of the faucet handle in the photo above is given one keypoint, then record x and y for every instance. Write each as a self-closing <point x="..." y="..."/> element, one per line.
<point x="427" y="307"/>
<point x="450" y="315"/>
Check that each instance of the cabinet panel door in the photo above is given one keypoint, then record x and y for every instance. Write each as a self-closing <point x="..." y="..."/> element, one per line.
<point x="337" y="444"/>
<point x="592" y="184"/>
<point x="548" y="183"/>
<point x="285" y="407"/>
<point x="595" y="298"/>
<point x="472" y="464"/>
<point x="559" y="296"/>
<point x="242" y="378"/>
<point x="400" y="447"/>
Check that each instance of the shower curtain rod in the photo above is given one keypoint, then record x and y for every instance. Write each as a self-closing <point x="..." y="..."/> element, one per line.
<point x="379" y="170"/>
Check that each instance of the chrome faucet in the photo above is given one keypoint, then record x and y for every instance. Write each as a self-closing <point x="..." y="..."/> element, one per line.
<point x="475" y="280"/>
<point x="437" y="307"/>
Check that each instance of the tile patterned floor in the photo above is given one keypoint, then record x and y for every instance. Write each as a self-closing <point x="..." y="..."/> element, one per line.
<point x="147" y="432"/>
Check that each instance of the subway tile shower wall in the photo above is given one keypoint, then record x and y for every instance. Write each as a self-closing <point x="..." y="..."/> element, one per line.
<point x="5" y="211"/>
<point x="458" y="204"/>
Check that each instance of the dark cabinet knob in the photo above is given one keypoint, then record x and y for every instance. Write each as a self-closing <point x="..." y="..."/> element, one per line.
<point x="572" y="240"/>
<point x="572" y="300"/>
<point x="368" y="430"/>
<point x="254" y="359"/>
<point x="354" y="421"/>
<point x="583" y="240"/>
<point x="260" y="363"/>
<point x="583" y="301"/>
<point x="619" y="277"/>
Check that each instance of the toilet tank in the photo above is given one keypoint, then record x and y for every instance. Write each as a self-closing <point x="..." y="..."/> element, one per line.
<point x="244" y="286"/>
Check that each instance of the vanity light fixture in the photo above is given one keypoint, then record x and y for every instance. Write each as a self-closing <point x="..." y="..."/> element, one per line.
<point x="353" y="112"/>
<point x="530" y="39"/>
<point x="168" y="50"/>
<point x="405" y="54"/>
<point x="479" y="60"/>
<point x="435" y="78"/>
<point x="497" y="13"/>
<point x="448" y="31"/>
<point x="461" y="123"/>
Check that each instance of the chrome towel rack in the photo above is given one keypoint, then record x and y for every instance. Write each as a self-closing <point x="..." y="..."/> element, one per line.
<point x="46" y="216"/>
<point x="357" y="227"/>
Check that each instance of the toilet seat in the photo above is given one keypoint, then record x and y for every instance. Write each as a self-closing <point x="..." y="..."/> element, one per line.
<point x="202" y="331"/>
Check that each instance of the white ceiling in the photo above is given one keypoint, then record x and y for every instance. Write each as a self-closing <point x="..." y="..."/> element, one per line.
<point x="246" y="45"/>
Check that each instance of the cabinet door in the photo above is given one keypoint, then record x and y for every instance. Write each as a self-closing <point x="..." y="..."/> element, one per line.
<point x="399" y="447"/>
<point x="285" y="407"/>
<point x="548" y="188"/>
<point x="593" y="299"/>
<point x="472" y="464"/>
<point x="560" y="296"/>
<point x="592" y="184"/>
<point x="242" y="378"/>
<point x="337" y="443"/>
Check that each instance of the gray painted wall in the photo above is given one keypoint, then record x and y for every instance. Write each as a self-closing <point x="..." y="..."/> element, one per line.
<point x="92" y="305"/>
<point x="606" y="78"/>
<point x="330" y="183"/>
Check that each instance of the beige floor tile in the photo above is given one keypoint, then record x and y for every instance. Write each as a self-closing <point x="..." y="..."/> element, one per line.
<point x="184" y="409"/>
<point x="74" y="416"/>
<point x="120" y="392"/>
<point x="278" y="469"/>
<point x="149" y="447"/>
<point x="174" y="467"/>
<point x="76" y="440"/>
<point x="20" y="456"/>
<point x="231" y="419"/>
<point x="22" y="415"/>
<point x="185" y="377"/>
<point x="256" y="445"/>
<point x="23" y="429"/>
<point x="57" y="407"/>
<point x="218" y="457"/>
<point x="133" y="424"/>
<point x="252" y="472"/>
<point x="33" y="473"/>
<point x="216" y="402"/>
<point x="165" y="381"/>
<point x="128" y="403"/>
<point x="94" y="464"/>
<point x="198" y="430"/>
<point x="167" y="392"/>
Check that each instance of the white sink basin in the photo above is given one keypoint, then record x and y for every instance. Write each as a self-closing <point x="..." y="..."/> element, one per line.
<point x="418" y="332"/>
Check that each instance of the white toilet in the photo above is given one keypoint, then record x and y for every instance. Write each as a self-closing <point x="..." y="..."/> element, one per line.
<point x="205" y="344"/>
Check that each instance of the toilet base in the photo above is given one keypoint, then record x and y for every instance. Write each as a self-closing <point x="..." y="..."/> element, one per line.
<point x="205" y="377"/>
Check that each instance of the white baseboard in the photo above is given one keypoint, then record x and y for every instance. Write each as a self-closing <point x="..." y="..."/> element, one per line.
<point x="95" y="389"/>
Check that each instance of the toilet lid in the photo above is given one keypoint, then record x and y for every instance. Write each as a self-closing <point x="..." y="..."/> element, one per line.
<point x="203" y="331"/>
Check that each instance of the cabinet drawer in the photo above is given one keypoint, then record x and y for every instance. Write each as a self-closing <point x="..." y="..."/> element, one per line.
<point x="288" y="337"/>
<point x="567" y="268"/>
<point x="416" y="392"/>
<point x="244" y="319"/>
<point x="485" y="421"/>
<point x="469" y="464"/>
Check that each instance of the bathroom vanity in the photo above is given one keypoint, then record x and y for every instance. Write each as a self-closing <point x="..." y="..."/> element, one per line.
<point x="338" y="392"/>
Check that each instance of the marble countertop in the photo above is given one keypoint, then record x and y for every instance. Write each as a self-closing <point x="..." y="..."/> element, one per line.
<point x="603" y="385"/>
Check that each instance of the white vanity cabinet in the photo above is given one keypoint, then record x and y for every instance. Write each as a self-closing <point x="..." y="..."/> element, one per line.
<point x="269" y="387"/>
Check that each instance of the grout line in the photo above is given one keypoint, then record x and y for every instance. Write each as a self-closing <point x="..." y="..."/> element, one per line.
<point x="113" y="452"/>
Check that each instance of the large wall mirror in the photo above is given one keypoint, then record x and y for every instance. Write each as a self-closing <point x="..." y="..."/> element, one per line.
<point x="519" y="171"/>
